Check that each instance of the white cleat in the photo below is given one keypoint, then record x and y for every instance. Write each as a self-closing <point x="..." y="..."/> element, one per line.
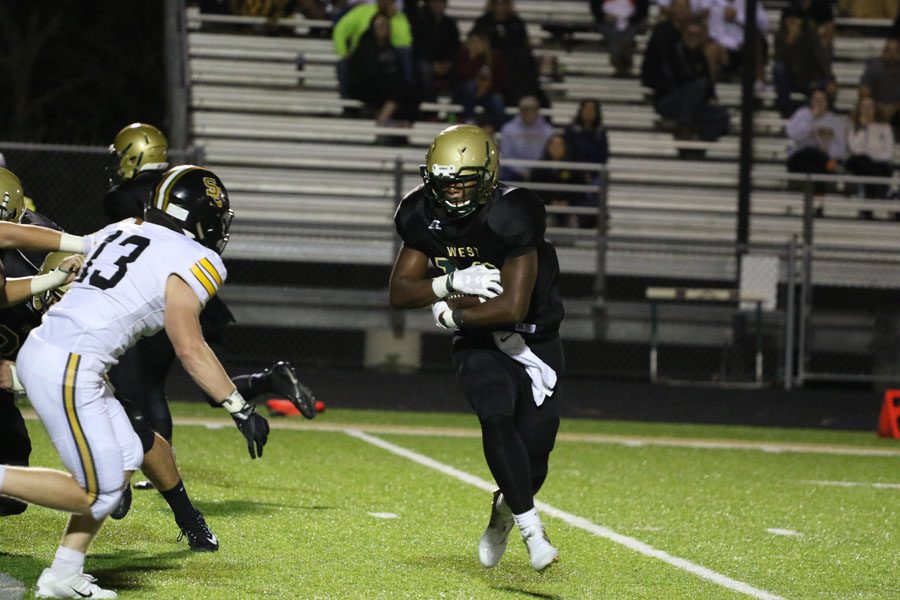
<point x="540" y="550"/>
<point x="79" y="585"/>
<point x="493" y="541"/>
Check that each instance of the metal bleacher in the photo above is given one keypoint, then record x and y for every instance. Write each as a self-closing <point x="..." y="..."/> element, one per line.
<point x="310" y="184"/>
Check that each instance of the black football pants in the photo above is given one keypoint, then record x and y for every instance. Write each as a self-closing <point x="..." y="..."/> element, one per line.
<point x="516" y="434"/>
<point x="15" y="447"/>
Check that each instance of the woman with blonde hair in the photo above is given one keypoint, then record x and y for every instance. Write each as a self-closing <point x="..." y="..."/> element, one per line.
<point x="871" y="147"/>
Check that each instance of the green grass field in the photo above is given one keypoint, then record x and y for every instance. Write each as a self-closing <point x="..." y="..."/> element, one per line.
<point x="756" y="507"/>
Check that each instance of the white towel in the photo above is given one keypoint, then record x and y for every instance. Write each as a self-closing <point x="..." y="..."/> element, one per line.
<point x="543" y="377"/>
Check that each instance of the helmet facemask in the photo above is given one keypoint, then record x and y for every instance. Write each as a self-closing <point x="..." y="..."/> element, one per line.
<point x="458" y="193"/>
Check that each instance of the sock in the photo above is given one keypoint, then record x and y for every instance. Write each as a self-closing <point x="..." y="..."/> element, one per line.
<point x="67" y="562"/>
<point x="180" y="504"/>
<point x="527" y="519"/>
<point x="2" y="475"/>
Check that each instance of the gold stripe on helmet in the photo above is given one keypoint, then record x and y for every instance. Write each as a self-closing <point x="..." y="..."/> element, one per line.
<point x="166" y="186"/>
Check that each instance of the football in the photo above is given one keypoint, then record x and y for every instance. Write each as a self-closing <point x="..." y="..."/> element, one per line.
<point x="462" y="301"/>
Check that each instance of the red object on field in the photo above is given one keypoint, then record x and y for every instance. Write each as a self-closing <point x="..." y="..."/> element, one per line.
<point x="286" y="408"/>
<point x="889" y="420"/>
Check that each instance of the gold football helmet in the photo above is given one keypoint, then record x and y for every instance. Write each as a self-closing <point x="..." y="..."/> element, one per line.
<point x="137" y="145"/>
<point x="460" y="170"/>
<point x="12" y="202"/>
<point x="43" y="301"/>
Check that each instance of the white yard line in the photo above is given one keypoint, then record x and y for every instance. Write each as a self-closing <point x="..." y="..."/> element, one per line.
<point x="876" y="485"/>
<point x="574" y="520"/>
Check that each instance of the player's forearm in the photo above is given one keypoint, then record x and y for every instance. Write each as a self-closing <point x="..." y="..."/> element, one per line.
<point x="32" y="237"/>
<point x="205" y="369"/>
<point x="15" y="291"/>
<point x="408" y="293"/>
<point x="501" y="311"/>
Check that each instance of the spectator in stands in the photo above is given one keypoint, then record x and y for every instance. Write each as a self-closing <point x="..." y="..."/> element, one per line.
<point x="818" y="137"/>
<point x="881" y="81"/>
<point x="524" y="137"/>
<point x="820" y="14"/>
<point x="801" y="61"/>
<point x="586" y="141"/>
<point x="556" y="150"/>
<point x="871" y="147"/>
<point x="726" y="33"/>
<point x="675" y="67"/>
<point x="509" y="36"/>
<point x="435" y="47"/>
<point x="350" y="28"/>
<point x="618" y="21"/>
<point x="375" y="75"/>
<point x="483" y="79"/>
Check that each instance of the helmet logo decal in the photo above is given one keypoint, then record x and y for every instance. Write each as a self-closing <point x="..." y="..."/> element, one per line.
<point x="213" y="191"/>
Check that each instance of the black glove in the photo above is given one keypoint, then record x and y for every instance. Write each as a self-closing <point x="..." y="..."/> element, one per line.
<point x="254" y="427"/>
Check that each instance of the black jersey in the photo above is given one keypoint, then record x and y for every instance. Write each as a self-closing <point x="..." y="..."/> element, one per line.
<point x="128" y="199"/>
<point x="16" y="321"/>
<point x="510" y="225"/>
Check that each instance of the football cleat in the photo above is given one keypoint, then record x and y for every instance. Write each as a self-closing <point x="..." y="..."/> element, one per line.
<point x="282" y="379"/>
<point x="144" y="485"/>
<point x="199" y="536"/>
<point x="124" y="505"/>
<point x="493" y="540"/>
<point x="79" y="585"/>
<point x="540" y="550"/>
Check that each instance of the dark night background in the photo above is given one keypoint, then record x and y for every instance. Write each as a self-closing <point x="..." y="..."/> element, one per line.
<point x="75" y="72"/>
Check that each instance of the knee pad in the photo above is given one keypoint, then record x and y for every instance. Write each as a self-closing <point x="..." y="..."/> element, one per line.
<point x="107" y="501"/>
<point x="139" y="424"/>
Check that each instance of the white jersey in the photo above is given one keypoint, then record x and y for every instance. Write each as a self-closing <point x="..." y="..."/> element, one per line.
<point x="119" y="295"/>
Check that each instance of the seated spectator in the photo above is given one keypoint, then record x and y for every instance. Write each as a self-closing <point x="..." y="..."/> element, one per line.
<point x="676" y="69"/>
<point x="586" y="138"/>
<point x="818" y="138"/>
<point x="354" y="23"/>
<point x="509" y="36"/>
<point x="555" y="150"/>
<point x="586" y="141"/>
<point x="483" y="79"/>
<point x="871" y="148"/>
<point x="726" y="33"/>
<point x="801" y="62"/>
<point x="375" y="75"/>
<point x="524" y="137"/>
<point x="881" y="81"/>
<point x="618" y="21"/>
<point x="435" y="47"/>
<point x="819" y="14"/>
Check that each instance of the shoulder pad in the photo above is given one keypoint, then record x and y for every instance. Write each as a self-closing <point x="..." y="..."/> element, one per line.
<point x="518" y="217"/>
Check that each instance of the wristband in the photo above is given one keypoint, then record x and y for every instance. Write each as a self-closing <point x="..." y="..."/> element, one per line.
<point x="234" y="402"/>
<point x="48" y="281"/>
<point x="441" y="286"/>
<point x="72" y="243"/>
<point x="17" y="387"/>
<point x="446" y="319"/>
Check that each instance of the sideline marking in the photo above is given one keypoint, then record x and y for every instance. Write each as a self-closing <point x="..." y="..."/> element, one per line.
<point x="384" y="515"/>
<point x="876" y="485"/>
<point x="630" y="441"/>
<point x="779" y="531"/>
<point x="574" y="520"/>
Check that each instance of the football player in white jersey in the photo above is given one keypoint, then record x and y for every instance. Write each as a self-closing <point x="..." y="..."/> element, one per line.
<point x="142" y="275"/>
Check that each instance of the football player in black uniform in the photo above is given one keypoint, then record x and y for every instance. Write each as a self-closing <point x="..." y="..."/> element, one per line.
<point x="139" y="156"/>
<point x="487" y="238"/>
<point x="17" y="317"/>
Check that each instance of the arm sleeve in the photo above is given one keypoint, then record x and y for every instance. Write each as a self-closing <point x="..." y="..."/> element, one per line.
<point x="798" y="128"/>
<point x="203" y="272"/>
<point x="401" y="32"/>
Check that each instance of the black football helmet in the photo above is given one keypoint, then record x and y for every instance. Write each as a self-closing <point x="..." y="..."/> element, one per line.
<point x="195" y="200"/>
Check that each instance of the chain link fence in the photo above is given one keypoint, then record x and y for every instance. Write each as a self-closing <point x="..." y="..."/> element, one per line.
<point x="647" y="297"/>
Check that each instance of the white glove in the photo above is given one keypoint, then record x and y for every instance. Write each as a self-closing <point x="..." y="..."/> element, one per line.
<point x="442" y="314"/>
<point x="477" y="280"/>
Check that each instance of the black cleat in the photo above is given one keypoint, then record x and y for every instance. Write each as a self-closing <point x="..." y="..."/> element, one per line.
<point x="124" y="505"/>
<point x="199" y="536"/>
<point x="144" y="485"/>
<point x="282" y="379"/>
